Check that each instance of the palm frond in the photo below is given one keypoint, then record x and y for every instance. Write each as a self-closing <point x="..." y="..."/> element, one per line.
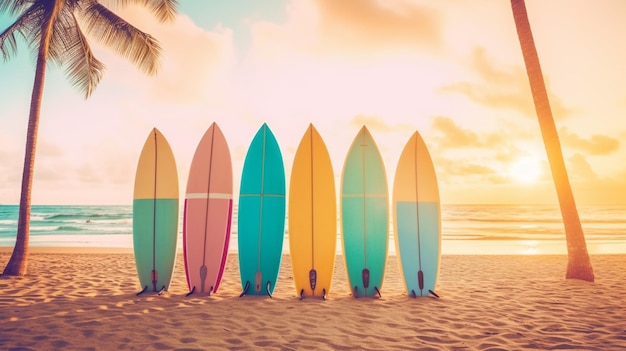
<point x="61" y="36"/>
<point x="164" y="10"/>
<point x="140" y="48"/>
<point x="70" y="49"/>
<point x="13" y="7"/>
<point x="23" y="26"/>
<point x="40" y="15"/>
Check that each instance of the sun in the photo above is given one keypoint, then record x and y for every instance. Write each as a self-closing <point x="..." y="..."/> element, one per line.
<point x="525" y="170"/>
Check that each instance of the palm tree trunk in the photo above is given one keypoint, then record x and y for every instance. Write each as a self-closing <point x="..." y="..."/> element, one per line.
<point x="18" y="263"/>
<point x="579" y="264"/>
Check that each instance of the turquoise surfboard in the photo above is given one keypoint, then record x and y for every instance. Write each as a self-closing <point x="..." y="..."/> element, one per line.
<point x="364" y="216"/>
<point x="155" y="214"/>
<point x="261" y="218"/>
<point x="417" y="218"/>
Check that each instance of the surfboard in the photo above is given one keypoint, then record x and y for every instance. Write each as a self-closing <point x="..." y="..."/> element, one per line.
<point x="155" y="214"/>
<point x="364" y="216"/>
<point x="312" y="217"/>
<point x="261" y="216"/>
<point x="417" y="218"/>
<point x="208" y="212"/>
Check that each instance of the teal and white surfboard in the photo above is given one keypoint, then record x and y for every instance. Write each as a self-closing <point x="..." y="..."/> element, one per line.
<point x="417" y="218"/>
<point x="364" y="216"/>
<point x="261" y="218"/>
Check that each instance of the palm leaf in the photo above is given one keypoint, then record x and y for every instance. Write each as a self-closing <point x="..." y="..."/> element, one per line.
<point x="70" y="49"/>
<point x="164" y="10"/>
<point x="140" y="48"/>
<point x="27" y="25"/>
<point x="13" y="7"/>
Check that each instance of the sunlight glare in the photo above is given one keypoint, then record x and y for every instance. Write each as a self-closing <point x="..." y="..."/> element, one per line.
<point x="530" y="247"/>
<point x="525" y="170"/>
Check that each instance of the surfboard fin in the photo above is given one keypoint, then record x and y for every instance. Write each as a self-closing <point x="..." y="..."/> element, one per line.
<point x="301" y="294"/>
<point x="142" y="291"/>
<point x="154" y="277"/>
<point x="245" y="289"/>
<point x="162" y="290"/>
<point x="211" y="290"/>
<point x="203" y="274"/>
<point x="378" y="291"/>
<point x="433" y="293"/>
<point x="324" y="294"/>
<point x="191" y="292"/>
<point x="413" y="293"/>
<point x="267" y="286"/>
<point x="313" y="278"/>
<point x="420" y="279"/>
<point x="365" y="275"/>
<point x="258" y="277"/>
<point x="356" y="291"/>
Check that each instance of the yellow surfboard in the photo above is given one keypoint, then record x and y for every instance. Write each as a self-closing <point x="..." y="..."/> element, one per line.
<point x="312" y="217"/>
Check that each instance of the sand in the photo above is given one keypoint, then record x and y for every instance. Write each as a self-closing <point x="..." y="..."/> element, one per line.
<point x="85" y="299"/>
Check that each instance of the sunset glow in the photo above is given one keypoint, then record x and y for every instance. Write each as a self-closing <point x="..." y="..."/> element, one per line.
<point x="525" y="170"/>
<point x="451" y="70"/>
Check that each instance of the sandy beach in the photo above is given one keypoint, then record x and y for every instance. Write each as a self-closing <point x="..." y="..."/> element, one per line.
<point x="85" y="299"/>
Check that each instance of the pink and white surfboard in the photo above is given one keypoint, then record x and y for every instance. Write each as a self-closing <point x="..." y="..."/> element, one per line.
<point x="208" y="213"/>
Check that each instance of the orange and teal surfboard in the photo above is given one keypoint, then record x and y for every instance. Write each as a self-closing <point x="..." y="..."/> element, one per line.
<point x="155" y="214"/>
<point x="417" y="218"/>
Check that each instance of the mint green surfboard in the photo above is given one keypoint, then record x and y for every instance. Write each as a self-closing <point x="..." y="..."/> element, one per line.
<point x="155" y="214"/>
<point x="364" y="216"/>
<point x="261" y="217"/>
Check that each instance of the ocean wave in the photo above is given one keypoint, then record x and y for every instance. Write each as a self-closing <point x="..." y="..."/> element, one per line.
<point x="85" y="216"/>
<point x="69" y="228"/>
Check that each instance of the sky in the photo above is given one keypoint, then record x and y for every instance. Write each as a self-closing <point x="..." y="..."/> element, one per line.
<point x="451" y="70"/>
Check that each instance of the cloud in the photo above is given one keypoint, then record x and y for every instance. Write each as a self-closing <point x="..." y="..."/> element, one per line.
<point x="450" y="135"/>
<point x="502" y="88"/>
<point x="377" y="123"/>
<point x="580" y="169"/>
<point x="356" y="28"/>
<point x="195" y="63"/>
<point x="364" y="25"/>
<point x="596" y="145"/>
<point x="452" y="170"/>
<point x="469" y="169"/>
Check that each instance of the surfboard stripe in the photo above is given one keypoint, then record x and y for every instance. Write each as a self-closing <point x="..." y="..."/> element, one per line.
<point x="224" y="196"/>
<point x="361" y="196"/>
<point x="263" y="195"/>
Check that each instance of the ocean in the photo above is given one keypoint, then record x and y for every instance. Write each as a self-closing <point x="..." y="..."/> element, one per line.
<point x="467" y="229"/>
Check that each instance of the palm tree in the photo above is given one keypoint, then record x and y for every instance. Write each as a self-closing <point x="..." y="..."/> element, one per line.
<point x="579" y="264"/>
<point x="54" y="29"/>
